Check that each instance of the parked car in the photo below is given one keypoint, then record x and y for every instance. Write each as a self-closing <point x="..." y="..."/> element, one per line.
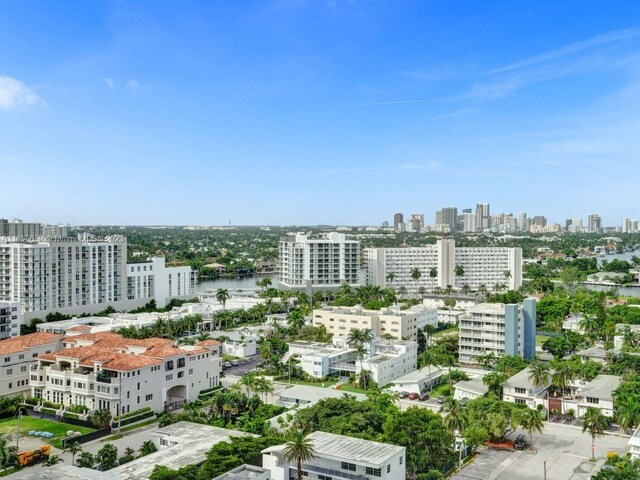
<point x="423" y="397"/>
<point x="413" y="396"/>
<point x="520" y="442"/>
<point x="235" y="363"/>
<point x="440" y="400"/>
<point x="226" y="365"/>
<point x="403" y="394"/>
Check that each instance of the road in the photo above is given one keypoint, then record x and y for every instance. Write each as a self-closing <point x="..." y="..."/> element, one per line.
<point x="566" y="451"/>
<point x="245" y="366"/>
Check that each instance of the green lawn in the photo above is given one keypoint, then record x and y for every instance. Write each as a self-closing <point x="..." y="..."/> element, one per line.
<point x="348" y="388"/>
<point x="59" y="429"/>
<point x="326" y="384"/>
<point x="441" y="390"/>
<point x="540" y="339"/>
<point x="447" y="331"/>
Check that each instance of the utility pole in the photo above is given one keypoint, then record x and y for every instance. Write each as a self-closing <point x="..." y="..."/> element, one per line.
<point x="545" y="470"/>
<point x="120" y="402"/>
<point x="18" y="433"/>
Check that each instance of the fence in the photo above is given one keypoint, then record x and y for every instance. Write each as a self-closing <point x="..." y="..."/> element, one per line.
<point x="87" y="437"/>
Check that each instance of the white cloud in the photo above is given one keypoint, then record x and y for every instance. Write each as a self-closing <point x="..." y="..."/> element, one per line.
<point x="133" y="85"/>
<point x="15" y="95"/>
<point x="110" y="83"/>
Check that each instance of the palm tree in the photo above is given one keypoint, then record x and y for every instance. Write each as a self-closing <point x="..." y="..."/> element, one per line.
<point x="415" y="275"/>
<point x="202" y="336"/>
<point x="589" y="323"/>
<point x="627" y="413"/>
<point x="361" y="352"/>
<point x="428" y="358"/>
<point x="563" y="376"/>
<point x="296" y="320"/>
<point x="147" y="448"/>
<point x="355" y="337"/>
<point x="494" y="381"/>
<point x="52" y="460"/>
<point x="74" y="448"/>
<point x="402" y="291"/>
<point x="86" y="460"/>
<point x="101" y="418"/>
<point x="390" y="276"/>
<point x="465" y="289"/>
<point x="539" y="374"/>
<point x="507" y="275"/>
<point x="299" y="449"/>
<point x="531" y="422"/>
<point x="594" y="422"/>
<point x="455" y="418"/>
<point x="433" y="272"/>
<point x="222" y="295"/>
<point x="458" y="271"/>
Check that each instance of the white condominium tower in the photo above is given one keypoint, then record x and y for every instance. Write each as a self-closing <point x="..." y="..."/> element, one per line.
<point x="54" y="274"/>
<point x="318" y="263"/>
<point x="442" y="265"/>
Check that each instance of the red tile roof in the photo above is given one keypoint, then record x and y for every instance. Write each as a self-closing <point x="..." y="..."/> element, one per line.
<point x="208" y="343"/>
<point x="23" y="342"/>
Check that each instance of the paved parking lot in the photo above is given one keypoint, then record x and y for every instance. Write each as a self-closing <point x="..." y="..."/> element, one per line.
<point x="245" y="366"/>
<point x="565" y="449"/>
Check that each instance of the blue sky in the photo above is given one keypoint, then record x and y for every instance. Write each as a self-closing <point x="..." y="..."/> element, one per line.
<point x="308" y="112"/>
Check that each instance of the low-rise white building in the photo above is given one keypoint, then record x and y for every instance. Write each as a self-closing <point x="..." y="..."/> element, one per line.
<point x="599" y="394"/>
<point x="634" y="445"/>
<point x="307" y="395"/>
<point x="386" y="359"/>
<point x="519" y="388"/>
<point x="572" y="323"/>
<point x="107" y="371"/>
<point x="470" y="389"/>
<point x="237" y="343"/>
<point x="340" y="457"/>
<point x="419" y="381"/>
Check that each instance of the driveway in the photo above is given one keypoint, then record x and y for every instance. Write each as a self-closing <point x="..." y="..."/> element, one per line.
<point x="566" y="451"/>
<point x="245" y="366"/>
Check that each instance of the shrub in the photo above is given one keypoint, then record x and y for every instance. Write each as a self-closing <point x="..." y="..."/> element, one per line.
<point x="126" y="459"/>
<point x="135" y="413"/>
<point x="50" y="411"/>
<point x="71" y="415"/>
<point x="32" y="401"/>
<point x="48" y="404"/>
<point x="78" y="409"/>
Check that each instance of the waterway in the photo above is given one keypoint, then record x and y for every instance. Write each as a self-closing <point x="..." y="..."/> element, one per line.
<point x="624" y="291"/>
<point x="233" y="283"/>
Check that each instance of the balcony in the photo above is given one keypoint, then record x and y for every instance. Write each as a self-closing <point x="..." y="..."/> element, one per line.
<point x="316" y="467"/>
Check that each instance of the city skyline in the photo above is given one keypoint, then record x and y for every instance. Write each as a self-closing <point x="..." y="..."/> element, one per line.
<point x="146" y="113"/>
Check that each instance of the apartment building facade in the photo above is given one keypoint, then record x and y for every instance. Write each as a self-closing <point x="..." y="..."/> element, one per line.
<point x="18" y="354"/>
<point x="107" y="371"/>
<point x="318" y="263"/>
<point x="10" y="319"/>
<point x="340" y="457"/>
<point x="83" y="275"/>
<point x="499" y="329"/>
<point x="491" y="267"/>
<point x="390" y="321"/>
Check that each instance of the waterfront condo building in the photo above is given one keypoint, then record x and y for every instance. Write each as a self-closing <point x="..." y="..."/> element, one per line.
<point x="339" y="457"/>
<point x="108" y="371"/>
<point x="499" y="329"/>
<point x="83" y="274"/>
<point x="318" y="263"/>
<point x="488" y="267"/>
<point x="10" y="319"/>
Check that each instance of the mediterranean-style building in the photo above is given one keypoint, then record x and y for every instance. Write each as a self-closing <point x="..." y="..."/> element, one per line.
<point x="108" y="371"/>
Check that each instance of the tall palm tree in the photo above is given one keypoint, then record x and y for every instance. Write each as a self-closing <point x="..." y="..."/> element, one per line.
<point x="433" y="273"/>
<point x="539" y="374"/>
<point x="627" y="413"/>
<point x="595" y="423"/>
<point x="73" y="448"/>
<point x="428" y="358"/>
<point x="299" y="449"/>
<point x="458" y="271"/>
<point x="222" y="295"/>
<point x="295" y="319"/>
<point x="563" y="375"/>
<point x="531" y="422"/>
<point x="361" y="352"/>
<point x="355" y="337"/>
<point x="465" y="289"/>
<point x="455" y="418"/>
<point x="402" y="291"/>
<point x="390" y="276"/>
<point x="415" y="275"/>
<point x="507" y="275"/>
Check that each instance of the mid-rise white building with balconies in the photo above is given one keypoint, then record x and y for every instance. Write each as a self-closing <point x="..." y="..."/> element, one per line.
<point x="10" y="319"/>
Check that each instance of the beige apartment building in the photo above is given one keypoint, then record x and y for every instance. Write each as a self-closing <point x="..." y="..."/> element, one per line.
<point x="400" y="324"/>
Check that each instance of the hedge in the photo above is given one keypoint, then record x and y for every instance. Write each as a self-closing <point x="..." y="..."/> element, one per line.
<point x="49" y="404"/>
<point x="209" y="390"/>
<point x="32" y="401"/>
<point x="135" y="413"/>
<point x="130" y="420"/>
<point x="71" y="415"/>
<point x="50" y="411"/>
<point x="78" y="409"/>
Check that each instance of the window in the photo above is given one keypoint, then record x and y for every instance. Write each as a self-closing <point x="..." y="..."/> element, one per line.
<point x="521" y="390"/>
<point x="400" y="460"/>
<point x="389" y="468"/>
<point x="373" y="471"/>
<point x="521" y="401"/>
<point x="180" y="374"/>
<point x="7" y="359"/>
<point x="348" y="466"/>
<point x="592" y="400"/>
<point x="9" y="371"/>
<point x="169" y="377"/>
<point x="148" y="397"/>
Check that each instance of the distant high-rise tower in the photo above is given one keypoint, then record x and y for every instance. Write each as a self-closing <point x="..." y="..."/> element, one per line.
<point x="449" y="217"/>
<point x="522" y="222"/>
<point x="417" y="221"/>
<point x="398" y="220"/>
<point x="594" y="223"/>
<point x="539" y="220"/>
<point x="483" y="216"/>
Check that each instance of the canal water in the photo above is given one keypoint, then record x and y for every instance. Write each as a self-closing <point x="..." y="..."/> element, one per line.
<point x="233" y="283"/>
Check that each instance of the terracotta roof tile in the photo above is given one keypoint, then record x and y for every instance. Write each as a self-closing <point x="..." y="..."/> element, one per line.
<point x="23" y="342"/>
<point x="208" y="343"/>
<point x="79" y="328"/>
